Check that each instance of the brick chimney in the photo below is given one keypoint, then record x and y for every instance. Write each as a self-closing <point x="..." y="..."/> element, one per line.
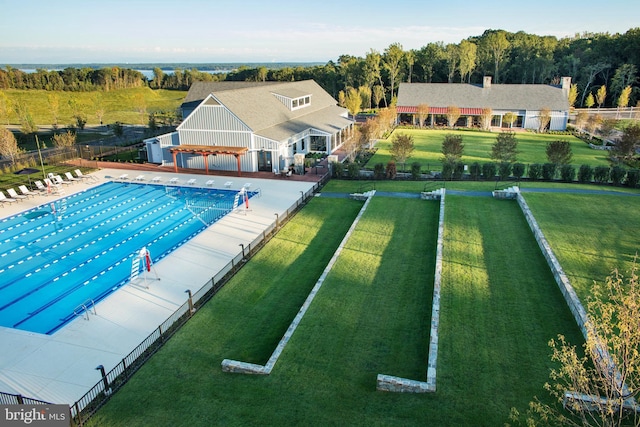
<point x="486" y="82"/>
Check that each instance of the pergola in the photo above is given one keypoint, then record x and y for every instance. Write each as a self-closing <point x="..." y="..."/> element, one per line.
<point x="206" y="151"/>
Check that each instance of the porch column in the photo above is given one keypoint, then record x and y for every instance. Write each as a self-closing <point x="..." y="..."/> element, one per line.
<point x="237" y="156"/>
<point x="175" y="162"/>
<point x="206" y="163"/>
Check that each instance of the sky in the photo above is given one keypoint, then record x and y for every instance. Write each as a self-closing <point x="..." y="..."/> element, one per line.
<point x="211" y="31"/>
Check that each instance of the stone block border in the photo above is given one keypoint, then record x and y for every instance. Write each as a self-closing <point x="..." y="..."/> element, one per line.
<point x="404" y="385"/>
<point x="251" y="368"/>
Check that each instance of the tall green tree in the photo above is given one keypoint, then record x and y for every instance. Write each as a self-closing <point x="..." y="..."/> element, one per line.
<point x="392" y="61"/>
<point x="428" y="58"/>
<point x="467" y="55"/>
<point x="452" y="58"/>
<point x="373" y="71"/>
<point x="496" y="45"/>
<point x="353" y="102"/>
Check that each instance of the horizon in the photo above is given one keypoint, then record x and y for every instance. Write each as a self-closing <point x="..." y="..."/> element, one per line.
<point x="145" y="31"/>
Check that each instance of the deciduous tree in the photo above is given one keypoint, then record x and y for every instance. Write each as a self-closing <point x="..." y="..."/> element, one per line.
<point x="453" y="114"/>
<point x="452" y="148"/>
<point x="625" y="148"/>
<point x="485" y="118"/>
<point x="601" y="95"/>
<point x="353" y="102"/>
<point x="8" y="145"/>
<point x="401" y="147"/>
<point x="505" y="149"/>
<point x="64" y="140"/>
<point x="423" y="113"/>
<point x="510" y="118"/>
<point x="392" y="61"/>
<point x="559" y="152"/>
<point x="599" y="385"/>
<point x="544" y="119"/>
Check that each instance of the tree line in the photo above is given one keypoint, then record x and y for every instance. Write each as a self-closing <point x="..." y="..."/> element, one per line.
<point x="592" y="60"/>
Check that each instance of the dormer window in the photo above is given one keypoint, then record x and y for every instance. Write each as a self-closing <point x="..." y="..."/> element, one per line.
<point x="294" y="99"/>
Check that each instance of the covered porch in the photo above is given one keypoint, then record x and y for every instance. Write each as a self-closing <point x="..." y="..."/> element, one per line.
<point x="208" y="150"/>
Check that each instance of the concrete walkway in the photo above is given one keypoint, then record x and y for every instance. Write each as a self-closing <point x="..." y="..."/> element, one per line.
<point x="61" y="368"/>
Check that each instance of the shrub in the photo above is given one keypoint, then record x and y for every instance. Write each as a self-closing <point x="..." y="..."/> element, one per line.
<point x="535" y="171"/>
<point x="489" y="170"/>
<point x="337" y="169"/>
<point x="601" y="174"/>
<point x="378" y="171"/>
<point x="475" y="171"/>
<point x="353" y="170"/>
<point x="518" y="170"/>
<point x="633" y="177"/>
<point x="458" y="170"/>
<point x="447" y="169"/>
<point x="617" y="175"/>
<point x="567" y="173"/>
<point x="391" y="170"/>
<point x="504" y="170"/>
<point x="585" y="173"/>
<point x="416" y="170"/>
<point x="549" y="171"/>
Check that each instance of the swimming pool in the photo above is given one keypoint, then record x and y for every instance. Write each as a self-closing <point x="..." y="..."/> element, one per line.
<point x="63" y="254"/>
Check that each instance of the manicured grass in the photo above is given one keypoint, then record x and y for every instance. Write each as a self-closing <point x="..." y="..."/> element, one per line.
<point x="590" y="235"/>
<point x="119" y="105"/>
<point x="349" y="186"/>
<point x="531" y="147"/>
<point x="499" y="307"/>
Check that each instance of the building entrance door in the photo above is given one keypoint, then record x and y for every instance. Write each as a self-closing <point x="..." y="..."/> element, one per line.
<point x="264" y="161"/>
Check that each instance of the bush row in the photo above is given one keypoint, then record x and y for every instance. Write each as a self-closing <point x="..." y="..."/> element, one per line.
<point x="616" y="175"/>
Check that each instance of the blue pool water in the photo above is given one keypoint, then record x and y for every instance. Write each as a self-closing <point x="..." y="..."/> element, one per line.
<point x="57" y="256"/>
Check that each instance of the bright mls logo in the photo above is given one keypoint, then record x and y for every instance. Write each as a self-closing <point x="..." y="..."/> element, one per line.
<point x="34" y="415"/>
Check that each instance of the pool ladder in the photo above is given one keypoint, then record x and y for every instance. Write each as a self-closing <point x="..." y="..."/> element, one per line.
<point x="84" y="309"/>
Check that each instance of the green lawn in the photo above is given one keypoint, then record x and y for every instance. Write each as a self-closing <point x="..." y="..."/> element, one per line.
<point x="531" y="147"/>
<point x="590" y="234"/>
<point x="371" y="316"/>
<point x="121" y="105"/>
<point x="499" y="308"/>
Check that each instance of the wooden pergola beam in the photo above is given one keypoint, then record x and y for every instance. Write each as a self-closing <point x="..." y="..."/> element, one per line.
<point x="206" y="151"/>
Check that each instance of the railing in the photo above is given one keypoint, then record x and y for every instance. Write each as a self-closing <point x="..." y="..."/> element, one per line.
<point x="98" y="395"/>
<point x="84" y="308"/>
<point x="434" y="185"/>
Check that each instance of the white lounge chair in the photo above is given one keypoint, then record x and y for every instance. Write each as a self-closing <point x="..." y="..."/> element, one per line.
<point x="24" y="190"/>
<point x="156" y="179"/>
<point x="82" y="176"/>
<point x="192" y="181"/>
<point x="139" y="178"/>
<point x="228" y="184"/>
<point x="247" y="186"/>
<point x="123" y="177"/>
<point x="52" y="187"/>
<point x="58" y="180"/>
<point x="41" y="187"/>
<point x="4" y="199"/>
<point x="173" y="181"/>
<point x="71" y="177"/>
<point x="210" y="183"/>
<point x="12" y="193"/>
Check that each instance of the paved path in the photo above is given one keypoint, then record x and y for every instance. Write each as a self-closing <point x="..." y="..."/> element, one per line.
<point x="411" y="195"/>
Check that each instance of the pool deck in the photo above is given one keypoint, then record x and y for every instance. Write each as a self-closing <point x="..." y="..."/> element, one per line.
<point x="61" y="368"/>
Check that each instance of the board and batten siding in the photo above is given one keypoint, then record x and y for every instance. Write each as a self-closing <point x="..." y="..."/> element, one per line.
<point x="209" y="117"/>
<point x="558" y="121"/>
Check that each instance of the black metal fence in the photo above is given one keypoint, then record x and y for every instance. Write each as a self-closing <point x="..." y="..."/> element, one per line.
<point x="99" y="394"/>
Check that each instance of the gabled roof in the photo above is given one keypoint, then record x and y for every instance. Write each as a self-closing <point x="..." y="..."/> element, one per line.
<point x="511" y="97"/>
<point x="200" y="90"/>
<point x="259" y="108"/>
